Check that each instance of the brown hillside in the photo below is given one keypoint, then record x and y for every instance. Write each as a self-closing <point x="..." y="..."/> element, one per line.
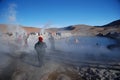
<point x="3" y="29"/>
<point x="31" y="29"/>
<point x="81" y="30"/>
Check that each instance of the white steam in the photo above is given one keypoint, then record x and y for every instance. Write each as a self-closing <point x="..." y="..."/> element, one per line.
<point x="12" y="12"/>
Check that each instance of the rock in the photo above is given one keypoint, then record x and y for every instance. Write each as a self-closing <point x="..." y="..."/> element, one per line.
<point x="113" y="46"/>
<point x="100" y="34"/>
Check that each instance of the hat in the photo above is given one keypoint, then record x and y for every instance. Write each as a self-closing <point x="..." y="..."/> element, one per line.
<point x="40" y="39"/>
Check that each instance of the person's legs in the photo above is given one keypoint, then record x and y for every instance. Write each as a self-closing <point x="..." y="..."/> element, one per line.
<point x="40" y="58"/>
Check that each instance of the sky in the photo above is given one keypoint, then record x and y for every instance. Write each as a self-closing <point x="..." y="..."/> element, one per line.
<point x="59" y="13"/>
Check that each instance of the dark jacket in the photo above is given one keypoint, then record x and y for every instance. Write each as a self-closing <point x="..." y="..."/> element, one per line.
<point x="40" y="46"/>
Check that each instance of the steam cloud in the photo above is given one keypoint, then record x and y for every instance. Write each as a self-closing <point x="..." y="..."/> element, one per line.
<point x="12" y="12"/>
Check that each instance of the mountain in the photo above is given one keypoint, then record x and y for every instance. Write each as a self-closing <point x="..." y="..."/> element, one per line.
<point x="31" y="29"/>
<point x="114" y="23"/>
<point x="111" y="27"/>
<point x="86" y="30"/>
<point x="4" y="28"/>
<point x="77" y="30"/>
<point x="69" y="28"/>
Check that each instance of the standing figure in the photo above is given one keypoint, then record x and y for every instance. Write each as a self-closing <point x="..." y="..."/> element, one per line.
<point x="40" y="48"/>
<point x="25" y="38"/>
<point x="52" y="42"/>
<point x="76" y="41"/>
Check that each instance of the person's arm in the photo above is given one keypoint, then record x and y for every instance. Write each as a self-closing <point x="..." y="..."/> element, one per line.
<point x="36" y="45"/>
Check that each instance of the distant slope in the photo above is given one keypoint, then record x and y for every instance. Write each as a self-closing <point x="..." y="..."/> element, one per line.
<point x="111" y="27"/>
<point x="114" y="23"/>
<point x="31" y="29"/>
<point x="86" y="30"/>
<point x="81" y="30"/>
<point x="4" y="28"/>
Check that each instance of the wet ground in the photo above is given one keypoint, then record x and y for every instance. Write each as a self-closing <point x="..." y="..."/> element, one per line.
<point x="93" y="62"/>
<point x="57" y="66"/>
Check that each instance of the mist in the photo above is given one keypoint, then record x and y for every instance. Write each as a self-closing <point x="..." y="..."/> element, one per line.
<point x="19" y="59"/>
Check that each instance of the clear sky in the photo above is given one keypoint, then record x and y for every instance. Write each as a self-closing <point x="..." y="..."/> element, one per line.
<point x="59" y="12"/>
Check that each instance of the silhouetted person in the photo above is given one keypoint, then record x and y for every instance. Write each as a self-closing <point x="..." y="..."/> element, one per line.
<point x="40" y="48"/>
<point x="52" y="42"/>
<point x="25" y="38"/>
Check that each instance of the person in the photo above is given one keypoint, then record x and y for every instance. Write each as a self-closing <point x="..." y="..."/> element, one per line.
<point x="76" y="41"/>
<point x="25" y="38"/>
<point x="52" y="42"/>
<point x="40" y="48"/>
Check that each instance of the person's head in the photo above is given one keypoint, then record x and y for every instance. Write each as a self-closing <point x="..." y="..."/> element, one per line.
<point x="40" y="39"/>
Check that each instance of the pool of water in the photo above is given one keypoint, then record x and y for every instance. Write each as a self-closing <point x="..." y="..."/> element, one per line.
<point x="78" y="44"/>
<point x="102" y="41"/>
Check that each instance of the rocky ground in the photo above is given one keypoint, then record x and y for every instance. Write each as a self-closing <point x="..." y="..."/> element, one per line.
<point x="25" y="67"/>
<point x="89" y="73"/>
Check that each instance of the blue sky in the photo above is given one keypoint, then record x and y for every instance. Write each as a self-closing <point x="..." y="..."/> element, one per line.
<point x="59" y="12"/>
